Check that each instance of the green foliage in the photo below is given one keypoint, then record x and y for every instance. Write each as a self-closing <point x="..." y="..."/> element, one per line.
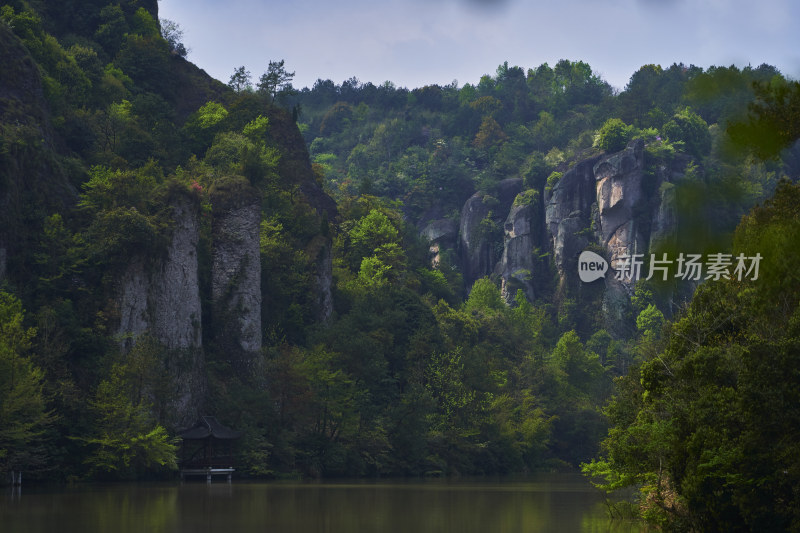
<point x="702" y="426"/>
<point x="173" y="34"/>
<point x="399" y="376"/>
<point x="650" y="321"/>
<point x="687" y="127"/>
<point x="243" y="155"/>
<point x="210" y="114"/>
<point x="772" y="120"/>
<point x="276" y="81"/>
<point x="256" y="129"/>
<point x="484" y="298"/>
<point x="127" y="440"/>
<point x="613" y="136"/>
<point x="371" y="232"/>
<point x="25" y="420"/>
<point x="240" y="80"/>
<point x="552" y="180"/>
<point x="146" y="60"/>
<point x="529" y="197"/>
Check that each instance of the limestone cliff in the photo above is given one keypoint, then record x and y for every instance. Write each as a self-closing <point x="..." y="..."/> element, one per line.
<point x="517" y="266"/>
<point x="440" y="234"/>
<point x="568" y="210"/>
<point x="618" y="184"/>
<point x="161" y="297"/>
<point x="482" y="217"/>
<point x="236" y="278"/>
<point x="612" y="203"/>
<point x="475" y="248"/>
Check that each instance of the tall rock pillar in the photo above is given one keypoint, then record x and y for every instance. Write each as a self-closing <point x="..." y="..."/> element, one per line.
<point x="236" y="275"/>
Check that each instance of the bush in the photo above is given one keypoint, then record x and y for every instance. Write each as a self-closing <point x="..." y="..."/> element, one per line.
<point x="613" y="135"/>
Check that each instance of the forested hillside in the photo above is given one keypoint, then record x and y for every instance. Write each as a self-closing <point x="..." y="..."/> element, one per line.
<point x="372" y="280"/>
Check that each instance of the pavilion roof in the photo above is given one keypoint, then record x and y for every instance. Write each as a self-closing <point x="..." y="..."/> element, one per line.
<point x="209" y="426"/>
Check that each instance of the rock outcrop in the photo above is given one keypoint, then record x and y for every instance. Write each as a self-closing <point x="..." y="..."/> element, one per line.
<point x="612" y="203"/>
<point x="320" y="250"/>
<point x="481" y="217"/>
<point x="517" y="266"/>
<point x="665" y="219"/>
<point x="440" y="235"/>
<point x="568" y="209"/>
<point x="236" y="282"/>
<point x="161" y="297"/>
<point x="176" y="295"/>
<point x="619" y="193"/>
<point x="474" y="244"/>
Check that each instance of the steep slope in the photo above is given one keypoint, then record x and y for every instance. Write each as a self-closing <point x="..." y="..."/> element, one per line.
<point x="32" y="180"/>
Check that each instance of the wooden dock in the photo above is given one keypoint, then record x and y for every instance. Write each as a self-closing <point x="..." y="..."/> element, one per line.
<point x="208" y="472"/>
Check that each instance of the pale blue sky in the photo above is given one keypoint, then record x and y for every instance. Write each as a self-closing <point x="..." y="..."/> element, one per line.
<point x="417" y="42"/>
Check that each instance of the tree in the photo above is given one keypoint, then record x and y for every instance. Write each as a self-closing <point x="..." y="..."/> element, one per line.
<point x="706" y="427"/>
<point x="276" y="80"/>
<point x="687" y="127"/>
<point x="613" y="135"/>
<point x="126" y="440"/>
<point x="485" y="298"/>
<point x="24" y="417"/>
<point x="240" y="80"/>
<point x="172" y="33"/>
<point x="774" y="119"/>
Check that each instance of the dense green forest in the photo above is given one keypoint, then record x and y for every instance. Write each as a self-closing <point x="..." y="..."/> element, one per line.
<point x="173" y="246"/>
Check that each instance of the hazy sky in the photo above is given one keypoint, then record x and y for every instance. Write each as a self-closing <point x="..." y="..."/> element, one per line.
<point x="417" y="42"/>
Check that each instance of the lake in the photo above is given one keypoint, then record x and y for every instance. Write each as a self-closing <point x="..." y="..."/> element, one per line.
<point x="542" y="503"/>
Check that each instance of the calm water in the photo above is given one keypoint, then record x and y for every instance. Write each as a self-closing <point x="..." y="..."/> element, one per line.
<point x="557" y="503"/>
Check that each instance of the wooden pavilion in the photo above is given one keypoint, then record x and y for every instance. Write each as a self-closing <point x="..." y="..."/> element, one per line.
<point x="207" y="449"/>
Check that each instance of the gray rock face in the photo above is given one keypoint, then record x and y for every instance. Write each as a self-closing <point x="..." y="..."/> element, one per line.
<point x="568" y="210"/>
<point x="321" y="250"/>
<point x="507" y="190"/>
<point x="569" y="241"/>
<point x="162" y="297"/>
<point x="236" y="277"/>
<point x="475" y="248"/>
<point x="575" y="191"/>
<point x="176" y="298"/>
<point x="619" y="192"/>
<point x="517" y="265"/>
<point x="134" y="293"/>
<point x="604" y="201"/>
<point x="619" y="187"/>
<point x="665" y="219"/>
<point x="441" y="234"/>
<point x="443" y="230"/>
<point x="475" y="245"/>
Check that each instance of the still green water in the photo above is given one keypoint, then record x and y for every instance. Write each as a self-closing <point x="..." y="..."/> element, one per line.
<point x="557" y="503"/>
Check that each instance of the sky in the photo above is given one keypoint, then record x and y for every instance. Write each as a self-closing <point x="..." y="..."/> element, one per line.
<point x="413" y="43"/>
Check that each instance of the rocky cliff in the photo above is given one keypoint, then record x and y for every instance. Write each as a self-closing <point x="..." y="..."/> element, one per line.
<point x="480" y="229"/>
<point x="236" y="278"/>
<point x="161" y="297"/>
<point x="517" y="267"/>
<point x="612" y="203"/>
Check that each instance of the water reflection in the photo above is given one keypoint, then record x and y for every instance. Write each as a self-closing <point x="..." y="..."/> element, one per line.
<point x="561" y="503"/>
